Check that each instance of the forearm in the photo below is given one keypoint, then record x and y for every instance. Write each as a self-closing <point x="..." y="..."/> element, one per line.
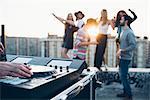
<point x="134" y="15"/>
<point x="84" y="44"/>
<point x="59" y="18"/>
<point x="87" y="43"/>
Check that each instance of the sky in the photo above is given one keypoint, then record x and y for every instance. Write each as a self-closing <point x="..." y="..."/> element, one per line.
<point x="33" y="18"/>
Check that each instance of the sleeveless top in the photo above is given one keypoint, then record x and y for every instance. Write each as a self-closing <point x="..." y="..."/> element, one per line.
<point x="103" y="28"/>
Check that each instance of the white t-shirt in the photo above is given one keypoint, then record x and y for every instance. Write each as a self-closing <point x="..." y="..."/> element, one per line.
<point x="79" y="23"/>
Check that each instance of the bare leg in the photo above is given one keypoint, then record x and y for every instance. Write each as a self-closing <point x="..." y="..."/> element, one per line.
<point x="64" y="52"/>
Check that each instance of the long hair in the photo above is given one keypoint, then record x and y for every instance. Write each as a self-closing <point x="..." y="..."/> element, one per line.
<point x="104" y="17"/>
<point x="119" y="17"/>
<point x="66" y="24"/>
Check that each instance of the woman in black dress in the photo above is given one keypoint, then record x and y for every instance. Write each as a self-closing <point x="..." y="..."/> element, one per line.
<point x="68" y="36"/>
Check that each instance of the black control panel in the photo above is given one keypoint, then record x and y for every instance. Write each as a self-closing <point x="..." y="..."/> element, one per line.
<point x="51" y="76"/>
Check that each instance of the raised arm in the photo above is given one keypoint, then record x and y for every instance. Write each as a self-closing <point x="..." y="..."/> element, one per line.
<point x="134" y="15"/>
<point x="59" y="18"/>
<point x="63" y="20"/>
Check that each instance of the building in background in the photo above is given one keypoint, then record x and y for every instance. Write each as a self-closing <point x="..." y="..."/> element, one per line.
<point x="148" y="60"/>
<point x="110" y="53"/>
<point x="51" y="47"/>
<point x="141" y="53"/>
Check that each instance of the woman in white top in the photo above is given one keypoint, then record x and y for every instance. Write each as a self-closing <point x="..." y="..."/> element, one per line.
<point x="102" y="38"/>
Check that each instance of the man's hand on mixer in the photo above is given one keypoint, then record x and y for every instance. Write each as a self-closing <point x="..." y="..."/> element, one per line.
<point x="15" y="69"/>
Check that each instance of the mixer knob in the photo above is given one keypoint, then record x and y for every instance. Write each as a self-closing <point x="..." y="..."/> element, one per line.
<point x="67" y="68"/>
<point x="55" y="66"/>
<point x="60" y="68"/>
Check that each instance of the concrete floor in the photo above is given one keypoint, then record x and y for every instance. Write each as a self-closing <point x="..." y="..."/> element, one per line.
<point x="108" y="92"/>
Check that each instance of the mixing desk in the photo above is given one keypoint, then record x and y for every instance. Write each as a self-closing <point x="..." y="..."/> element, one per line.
<point x="50" y="77"/>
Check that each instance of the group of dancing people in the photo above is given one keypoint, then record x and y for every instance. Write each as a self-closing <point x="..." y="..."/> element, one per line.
<point x="125" y="40"/>
<point x="82" y="39"/>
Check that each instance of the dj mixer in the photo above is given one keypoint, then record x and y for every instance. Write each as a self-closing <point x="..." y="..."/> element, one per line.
<point x="51" y="76"/>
